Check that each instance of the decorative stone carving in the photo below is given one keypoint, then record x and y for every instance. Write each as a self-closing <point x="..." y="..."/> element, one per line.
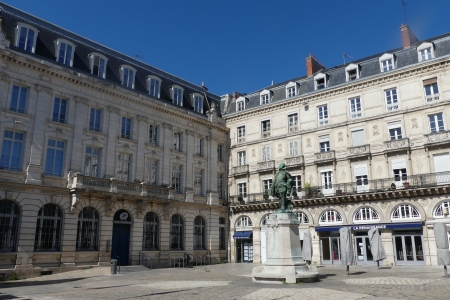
<point x="190" y="132"/>
<point x="44" y="89"/>
<point x="240" y="169"/>
<point x="437" y="137"/>
<point x="414" y="123"/>
<point x="375" y="130"/>
<point x="308" y="143"/>
<point x="324" y="155"/>
<point x="110" y="205"/>
<point x="266" y="165"/>
<point x="114" y="110"/>
<point x="142" y="118"/>
<point x="4" y="77"/>
<point x="169" y="126"/>
<point x="81" y="100"/>
<point x="253" y="153"/>
<point x="294" y="160"/>
<point x="280" y="148"/>
<point x="383" y="204"/>
<point x="358" y="150"/>
<point x="75" y="202"/>
<point x="395" y="144"/>
<point x="140" y="208"/>
<point x="53" y="199"/>
<point x="8" y="194"/>
<point x="340" y="137"/>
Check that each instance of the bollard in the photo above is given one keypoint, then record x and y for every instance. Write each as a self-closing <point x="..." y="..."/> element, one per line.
<point x="113" y="266"/>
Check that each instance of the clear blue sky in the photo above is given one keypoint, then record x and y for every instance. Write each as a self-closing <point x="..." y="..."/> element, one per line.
<point x="242" y="45"/>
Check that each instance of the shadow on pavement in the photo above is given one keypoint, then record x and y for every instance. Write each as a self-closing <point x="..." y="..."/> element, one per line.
<point x="14" y="284"/>
<point x="357" y="273"/>
<point x="323" y="276"/>
<point x="385" y="268"/>
<point x="9" y="296"/>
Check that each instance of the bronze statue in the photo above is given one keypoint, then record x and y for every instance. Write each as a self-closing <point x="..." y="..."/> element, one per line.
<point x="281" y="188"/>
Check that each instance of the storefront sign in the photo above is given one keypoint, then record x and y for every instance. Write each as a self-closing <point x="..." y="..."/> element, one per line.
<point x="369" y="226"/>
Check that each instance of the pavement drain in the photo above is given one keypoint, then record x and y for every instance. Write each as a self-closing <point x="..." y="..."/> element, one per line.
<point x="389" y="281"/>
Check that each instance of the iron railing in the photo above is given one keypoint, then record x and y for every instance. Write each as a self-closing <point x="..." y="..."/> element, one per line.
<point x="144" y="260"/>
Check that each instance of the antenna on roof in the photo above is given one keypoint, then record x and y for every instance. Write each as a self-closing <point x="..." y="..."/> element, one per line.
<point x="346" y="55"/>
<point x="272" y="82"/>
<point x="137" y="56"/>
<point x="404" y="4"/>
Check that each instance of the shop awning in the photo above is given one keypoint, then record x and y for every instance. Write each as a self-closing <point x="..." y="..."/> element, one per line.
<point x="373" y="225"/>
<point x="242" y="235"/>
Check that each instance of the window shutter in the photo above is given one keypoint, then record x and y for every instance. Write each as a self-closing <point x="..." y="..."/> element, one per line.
<point x="269" y="153"/>
<point x="398" y="164"/>
<point x="358" y="137"/>
<point x="360" y="170"/>
<point x="296" y="150"/>
<point x="324" y="138"/>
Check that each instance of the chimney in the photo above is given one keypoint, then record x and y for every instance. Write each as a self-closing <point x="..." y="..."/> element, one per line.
<point x="408" y="36"/>
<point x="313" y="65"/>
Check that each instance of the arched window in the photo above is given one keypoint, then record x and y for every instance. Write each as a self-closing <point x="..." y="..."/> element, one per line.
<point x="48" y="228"/>
<point x="405" y="211"/>
<point x="302" y="217"/>
<point x="244" y="221"/>
<point x="264" y="220"/>
<point x="366" y="214"/>
<point x="176" y="233"/>
<point x="442" y="210"/>
<point x="151" y="224"/>
<point x="9" y="224"/>
<point x="199" y="233"/>
<point x="87" y="233"/>
<point x="330" y="217"/>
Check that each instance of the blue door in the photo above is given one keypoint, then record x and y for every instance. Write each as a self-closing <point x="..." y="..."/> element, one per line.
<point x="121" y="237"/>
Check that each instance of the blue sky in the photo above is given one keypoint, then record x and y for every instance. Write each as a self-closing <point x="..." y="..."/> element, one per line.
<point x="243" y="45"/>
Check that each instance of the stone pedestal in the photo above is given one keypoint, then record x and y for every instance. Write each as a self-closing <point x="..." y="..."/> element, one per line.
<point x="284" y="262"/>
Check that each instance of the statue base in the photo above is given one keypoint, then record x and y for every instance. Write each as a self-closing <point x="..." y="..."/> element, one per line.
<point x="284" y="262"/>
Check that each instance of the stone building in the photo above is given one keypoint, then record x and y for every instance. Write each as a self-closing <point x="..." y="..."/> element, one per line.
<point x="103" y="156"/>
<point x="367" y="144"/>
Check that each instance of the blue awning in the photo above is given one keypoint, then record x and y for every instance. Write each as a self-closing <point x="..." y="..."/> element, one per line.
<point x="242" y="235"/>
<point x="328" y="228"/>
<point x="370" y="226"/>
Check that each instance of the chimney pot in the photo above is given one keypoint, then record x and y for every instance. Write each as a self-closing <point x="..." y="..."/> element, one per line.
<point x="408" y="37"/>
<point x="313" y="65"/>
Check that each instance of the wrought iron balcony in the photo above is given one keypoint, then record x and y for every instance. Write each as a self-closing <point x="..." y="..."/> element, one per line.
<point x="324" y="156"/>
<point x="432" y="98"/>
<point x="437" y="138"/>
<point x="240" y="170"/>
<point x="396" y="145"/>
<point x="295" y="161"/>
<point x="266" y="165"/>
<point x="362" y="150"/>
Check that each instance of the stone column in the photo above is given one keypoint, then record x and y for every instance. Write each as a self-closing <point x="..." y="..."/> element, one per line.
<point x="113" y="133"/>
<point x="386" y="240"/>
<point x="257" y="245"/>
<point x="69" y="238"/>
<point x="81" y="115"/>
<point x="137" y="232"/>
<point x="167" y="144"/>
<point x="164" y="240"/>
<point x="142" y="138"/>
<point x="105" y="232"/>
<point x="429" y="240"/>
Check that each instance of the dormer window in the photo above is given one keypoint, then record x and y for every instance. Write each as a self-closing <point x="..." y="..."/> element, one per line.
<point x="197" y="101"/>
<point x="291" y="89"/>
<point x="387" y="62"/>
<point x="26" y="37"/>
<point x="241" y="103"/>
<point x="97" y="64"/>
<point x="266" y="97"/>
<point x="127" y="75"/>
<point x="425" y="51"/>
<point x="320" y="81"/>
<point x="64" y="52"/>
<point x="177" y="95"/>
<point x="352" y="72"/>
<point x="154" y="86"/>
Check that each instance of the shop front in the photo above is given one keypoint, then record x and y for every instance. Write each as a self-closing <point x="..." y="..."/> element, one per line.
<point x="244" y="246"/>
<point x="330" y="247"/>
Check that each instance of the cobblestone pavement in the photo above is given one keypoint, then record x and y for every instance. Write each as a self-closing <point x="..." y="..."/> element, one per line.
<point x="233" y="281"/>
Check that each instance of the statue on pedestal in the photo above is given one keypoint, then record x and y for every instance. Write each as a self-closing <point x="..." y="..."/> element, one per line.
<point x="281" y="188"/>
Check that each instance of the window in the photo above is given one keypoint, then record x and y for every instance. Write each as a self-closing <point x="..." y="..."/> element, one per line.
<point x="125" y="131"/>
<point x="198" y="182"/>
<point x="266" y="185"/>
<point x="48" y="228"/>
<point x="11" y="150"/>
<point x="55" y="158"/>
<point x="26" y="37"/>
<point x="176" y="232"/>
<point x="324" y="143"/>
<point x="386" y="62"/>
<point x="242" y="189"/>
<point x="95" y="119"/>
<point x="322" y="112"/>
<point x="405" y="211"/>
<point x="266" y="153"/>
<point x="291" y="89"/>
<point x="222" y="239"/>
<point x="296" y="183"/>
<point x="198" y="103"/>
<point x="151" y="175"/>
<point x="200" y="147"/>
<point x="19" y="99"/>
<point x="243" y="222"/>
<point x="391" y="99"/>
<point x="265" y="97"/>
<point x="154" y="86"/>
<point x="320" y="81"/>
<point x="153" y="135"/>
<point x="9" y="225"/>
<point x="222" y="221"/>
<point x="127" y="75"/>
<point x="366" y="214"/>
<point x="64" y="52"/>
<point x="400" y="174"/>
<point x="91" y="161"/>
<point x="425" y="51"/>
<point x="395" y="130"/>
<point x="177" y="139"/>
<point x="431" y="90"/>
<point x="98" y="64"/>
<point x="241" y="134"/>
<point x="441" y="211"/>
<point x="240" y="104"/>
<point x="220" y="152"/>
<point x="361" y="177"/>
<point x="293" y="149"/>
<point x="123" y="167"/>
<point x="241" y="158"/>
<point x="150" y="236"/>
<point x="302" y="217"/>
<point x="176" y="178"/>
<point x="60" y="110"/>
<point x="330" y="216"/>
<point x="177" y="95"/>
<point x="355" y="108"/>
<point x="87" y="231"/>
<point x="436" y="123"/>
<point x="199" y="233"/>
<point x="293" y="122"/>
<point x="352" y="72"/>
<point x="358" y="137"/>
<point x="220" y="190"/>
<point x="265" y="128"/>
<point x="327" y="180"/>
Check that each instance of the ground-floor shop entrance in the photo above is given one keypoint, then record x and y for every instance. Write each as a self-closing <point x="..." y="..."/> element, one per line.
<point x="362" y="249"/>
<point x="408" y="247"/>
<point x="330" y="249"/>
<point x="244" y="251"/>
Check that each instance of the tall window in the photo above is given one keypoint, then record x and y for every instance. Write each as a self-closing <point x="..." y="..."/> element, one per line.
<point x="405" y="211"/>
<point x="291" y="89"/>
<point x="220" y="152"/>
<point x="154" y="86"/>
<point x="151" y="175"/>
<point x="324" y="143"/>
<point x="26" y="37"/>
<point x="176" y="178"/>
<point x="330" y="216"/>
<point x="176" y="233"/>
<point x="327" y="179"/>
<point x="48" y="228"/>
<point x="395" y="131"/>
<point x="199" y="233"/>
<point x="366" y="214"/>
<point x="198" y="182"/>
<point x="55" y="158"/>
<point x="65" y="51"/>
<point x="151" y="224"/>
<point x="125" y="132"/>
<point x="241" y="134"/>
<point x="266" y="185"/>
<point x="177" y="142"/>
<point x="222" y="239"/>
<point x="200" y="146"/>
<point x="436" y="123"/>
<point x="127" y="74"/>
<point x="400" y="174"/>
<point x="95" y="119"/>
<point x="19" y="99"/>
<point x="123" y="167"/>
<point x="87" y="231"/>
<point x="198" y="104"/>
<point x="11" y="151"/>
<point x="98" y="64"/>
<point x="60" y="110"/>
<point x="322" y="112"/>
<point x="355" y="108"/>
<point x="266" y="153"/>
<point x="391" y="99"/>
<point x="241" y="158"/>
<point x="9" y="224"/>
<point x="265" y="128"/>
<point x="265" y="99"/>
<point x="296" y="183"/>
<point x="293" y="148"/>
<point x="431" y="90"/>
<point x="220" y="190"/>
<point x="177" y="96"/>
<point x="240" y="105"/>
<point x="293" y="122"/>
<point x="242" y="189"/>
<point x="91" y="162"/>
<point x="153" y="135"/>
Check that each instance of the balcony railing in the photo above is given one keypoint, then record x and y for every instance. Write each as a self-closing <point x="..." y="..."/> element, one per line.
<point x="324" y="156"/>
<point x="293" y="128"/>
<point x="392" y="107"/>
<point x="356" y="115"/>
<point x="240" y="170"/>
<point x="266" y="165"/>
<point x="437" y="137"/>
<point x="241" y="139"/>
<point x="295" y="161"/>
<point x="265" y="134"/>
<point x="358" y="150"/>
<point x="432" y="98"/>
<point x="323" y="122"/>
<point x="396" y="144"/>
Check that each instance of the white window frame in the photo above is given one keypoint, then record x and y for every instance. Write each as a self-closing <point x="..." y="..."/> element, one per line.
<point x="289" y="86"/>
<point x="392" y="126"/>
<point x="177" y="170"/>
<point x="349" y="68"/>
<point x="355" y="113"/>
<point x="242" y="189"/>
<point x="242" y="158"/>
<point x="394" y="105"/>
<point x="384" y="58"/>
<point x="294" y="148"/>
<point x="21" y="25"/>
<point x="92" y="57"/>
<point x="401" y="212"/>
<point x="302" y="217"/>
<point x="266" y="183"/>
<point x="330" y="216"/>
<point x="437" y="129"/>
<point x="327" y="181"/>
<point x="90" y="168"/>
<point x="292" y="122"/>
<point x="368" y="214"/>
<point x="434" y="94"/>
<point x="196" y="97"/>
<point x="172" y="91"/>
<point x="425" y="46"/>
<point x="438" y="212"/>
<point x="265" y="97"/>
<point x="20" y="92"/>
<point x="266" y="153"/>
<point x="157" y="92"/>
<point x="122" y="75"/>
<point x="200" y="146"/>
<point x="121" y="163"/>
<point x="58" y="43"/>
<point x="296" y="183"/>
<point x="319" y="77"/>
<point x="152" y="168"/>
<point x="241" y="103"/>
<point x="266" y="133"/>
<point x="323" y="139"/>
<point x="240" y="130"/>
<point x="153" y="134"/>
<point x="178" y="141"/>
<point x="243" y="222"/>
<point x="198" y="182"/>
<point x="321" y="119"/>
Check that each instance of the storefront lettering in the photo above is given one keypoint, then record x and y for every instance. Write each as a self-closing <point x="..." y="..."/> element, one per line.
<point x="368" y="227"/>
